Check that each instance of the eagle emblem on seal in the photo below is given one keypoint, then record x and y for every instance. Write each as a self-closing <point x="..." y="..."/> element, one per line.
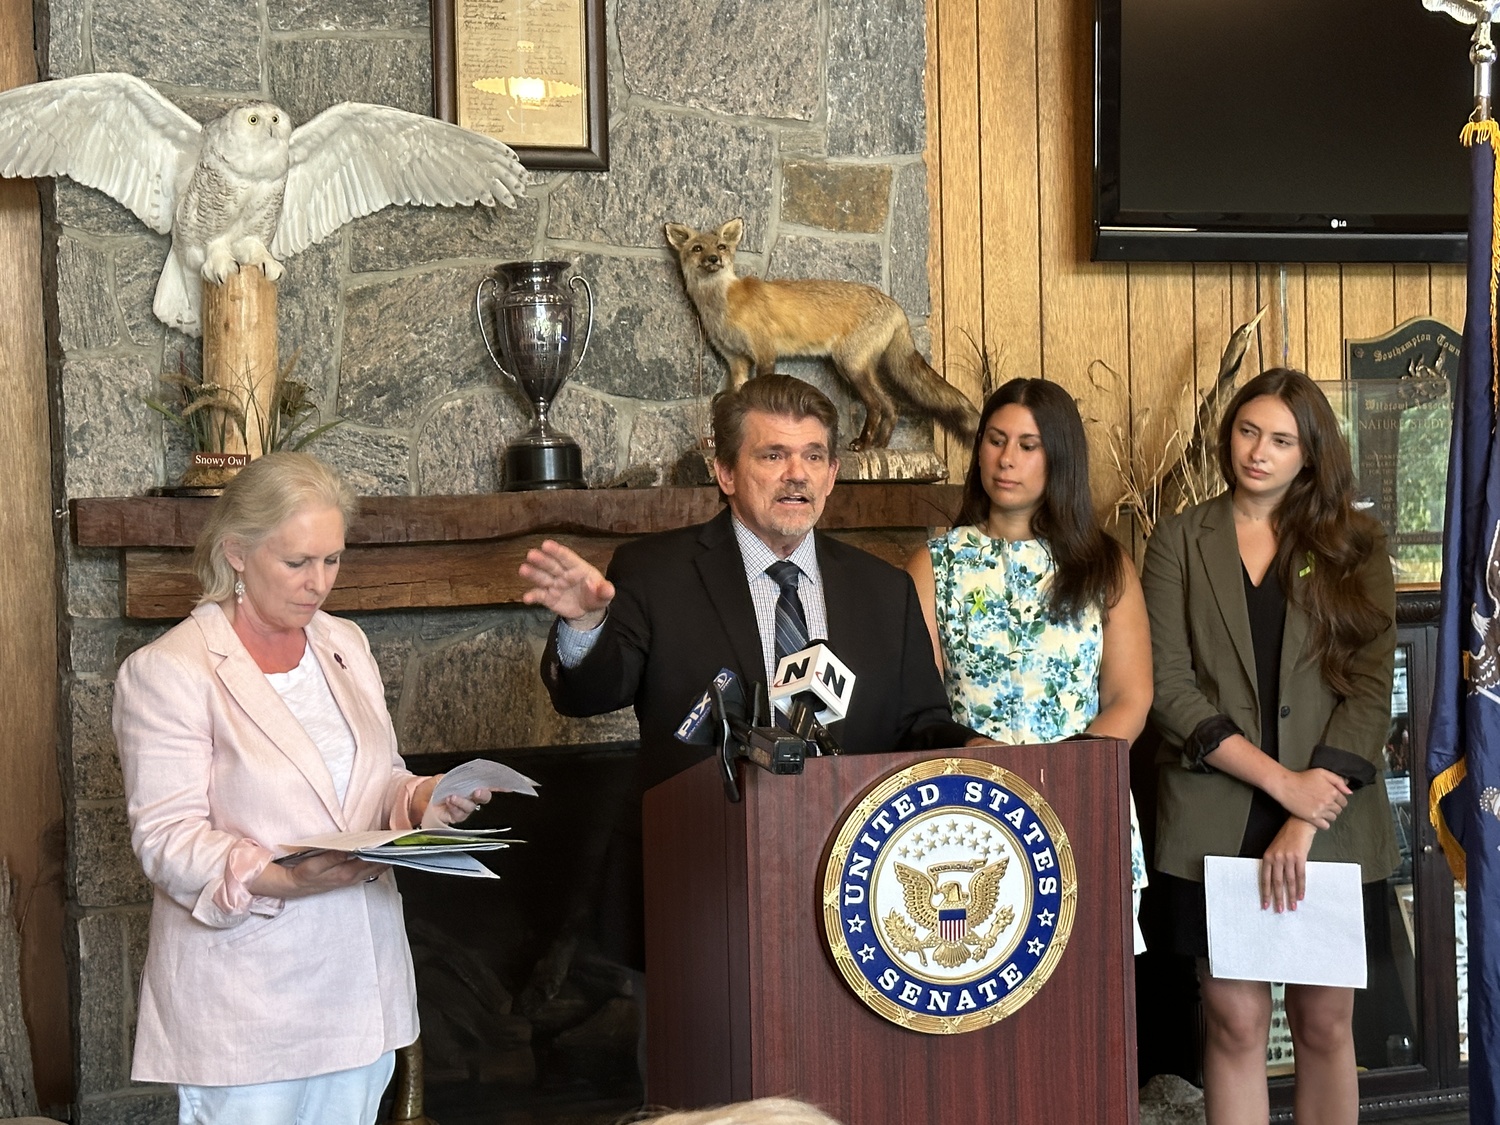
<point x="952" y="917"/>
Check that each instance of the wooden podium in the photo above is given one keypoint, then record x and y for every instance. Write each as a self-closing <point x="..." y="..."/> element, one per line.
<point x="744" y="1001"/>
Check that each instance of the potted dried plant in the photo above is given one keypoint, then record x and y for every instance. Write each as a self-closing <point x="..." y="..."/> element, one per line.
<point x="1165" y="466"/>
<point x="222" y="424"/>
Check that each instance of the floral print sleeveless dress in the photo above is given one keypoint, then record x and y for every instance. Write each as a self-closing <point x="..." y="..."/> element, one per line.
<point x="1013" y="672"/>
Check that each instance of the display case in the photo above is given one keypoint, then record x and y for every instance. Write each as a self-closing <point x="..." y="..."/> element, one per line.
<point x="1403" y="1041"/>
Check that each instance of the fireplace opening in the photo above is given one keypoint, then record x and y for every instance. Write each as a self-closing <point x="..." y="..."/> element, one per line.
<point x="530" y="1011"/>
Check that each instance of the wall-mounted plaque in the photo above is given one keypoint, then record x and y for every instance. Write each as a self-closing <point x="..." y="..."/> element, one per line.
<point x="1396" y="411"/>
<point x="1398" y="430"/>
<point x="1413" y="349"/>
<point x="530" y="73"/>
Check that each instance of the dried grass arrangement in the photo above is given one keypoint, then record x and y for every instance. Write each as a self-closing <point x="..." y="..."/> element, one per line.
<point x="1167" y="460"/>
<point x="215" y="420"/>
<point x="206" y="412"/>
<point x="1165" y="463"/>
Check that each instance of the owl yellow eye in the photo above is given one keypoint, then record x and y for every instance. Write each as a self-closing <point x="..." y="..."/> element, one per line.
<point x="275" y="117"/>
<point x="254" y="118"/>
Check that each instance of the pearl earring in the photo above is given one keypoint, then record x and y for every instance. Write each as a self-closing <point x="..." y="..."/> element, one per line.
<point x="239" y="591"/>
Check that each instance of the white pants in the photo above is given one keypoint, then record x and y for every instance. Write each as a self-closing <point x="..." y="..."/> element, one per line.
<point x="345" y="1097"/>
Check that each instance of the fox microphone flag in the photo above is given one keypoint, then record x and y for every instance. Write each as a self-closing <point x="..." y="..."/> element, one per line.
<point x="1463" y="748"/>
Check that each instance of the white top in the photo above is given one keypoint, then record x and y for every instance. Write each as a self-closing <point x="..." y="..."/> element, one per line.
<point x="305" y="692"/>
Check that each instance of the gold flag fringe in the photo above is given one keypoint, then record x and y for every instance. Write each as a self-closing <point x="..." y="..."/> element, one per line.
<point x="1443" y="784"/>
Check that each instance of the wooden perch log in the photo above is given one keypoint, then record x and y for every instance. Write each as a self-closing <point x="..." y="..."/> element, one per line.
<point x="239" y="352"/>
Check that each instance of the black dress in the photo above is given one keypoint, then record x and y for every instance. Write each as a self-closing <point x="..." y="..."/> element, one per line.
<point x="1186" y="915"/>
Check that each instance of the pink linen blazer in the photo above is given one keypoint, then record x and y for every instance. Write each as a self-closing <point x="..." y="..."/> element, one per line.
<point x="237" y="988"/>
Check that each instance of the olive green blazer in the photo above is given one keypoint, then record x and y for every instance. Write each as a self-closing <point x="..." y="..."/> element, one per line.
<point x="1204" y="666"/>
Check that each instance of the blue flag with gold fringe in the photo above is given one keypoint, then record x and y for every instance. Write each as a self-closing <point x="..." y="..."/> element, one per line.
<point x="1463" y="752"/>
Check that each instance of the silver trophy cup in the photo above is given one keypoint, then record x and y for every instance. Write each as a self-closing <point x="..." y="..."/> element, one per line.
<point x="531" y="320"/>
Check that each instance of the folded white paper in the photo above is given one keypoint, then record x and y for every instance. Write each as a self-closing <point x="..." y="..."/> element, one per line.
<point x="480" y="773"/>
<point x="1321" y="942"/>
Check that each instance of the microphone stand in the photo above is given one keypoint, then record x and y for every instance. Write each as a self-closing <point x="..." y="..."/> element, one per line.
<point x="773" y="750"/>
<point x="824" y="741"/>
<point x="727" y="738"/>
<point x="802" y="718"/>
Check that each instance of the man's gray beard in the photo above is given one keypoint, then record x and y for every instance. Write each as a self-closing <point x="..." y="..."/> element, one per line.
<point x="800" y="530"/>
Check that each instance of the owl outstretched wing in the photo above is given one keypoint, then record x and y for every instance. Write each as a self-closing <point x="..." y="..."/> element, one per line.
<point x="1465" y="11"/>
<point x="917" y="889"/>
<point x="356" y="158"/>
<point x="113" y="132"/>
<point x="984" y="891"/>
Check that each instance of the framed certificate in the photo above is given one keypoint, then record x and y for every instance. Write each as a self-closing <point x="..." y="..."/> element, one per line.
<point x="530" y="73"/>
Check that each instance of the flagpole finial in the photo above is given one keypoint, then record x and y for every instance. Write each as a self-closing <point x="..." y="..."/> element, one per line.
<point x="1482" y="49"/>
<point x="1482" y="55"/>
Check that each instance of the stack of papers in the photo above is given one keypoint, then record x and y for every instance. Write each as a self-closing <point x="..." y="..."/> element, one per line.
<point x="442" y="850"/>
<point x="434" y="846"/>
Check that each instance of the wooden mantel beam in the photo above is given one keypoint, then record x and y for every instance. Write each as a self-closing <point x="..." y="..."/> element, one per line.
<point x="162" y="521"/>
<point x="446" y="551"/>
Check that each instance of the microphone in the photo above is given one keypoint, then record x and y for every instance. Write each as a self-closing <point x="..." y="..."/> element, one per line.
<point x="812" y="688"/>
<point x="696" y="728"/>
<point x="719" y="719"/>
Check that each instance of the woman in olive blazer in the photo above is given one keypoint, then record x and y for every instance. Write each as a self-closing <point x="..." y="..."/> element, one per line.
<point x="1205" y="667"/>
<point x="1272" y="612"/>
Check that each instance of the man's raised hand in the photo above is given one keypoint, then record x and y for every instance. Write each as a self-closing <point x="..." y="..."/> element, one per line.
<point x="567" y="584"/>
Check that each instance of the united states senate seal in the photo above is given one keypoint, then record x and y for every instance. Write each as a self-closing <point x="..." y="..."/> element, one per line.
<point x="948" y="895"/>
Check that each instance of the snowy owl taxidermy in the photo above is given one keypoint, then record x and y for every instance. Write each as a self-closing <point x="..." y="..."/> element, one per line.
<point x="247" y="188"/>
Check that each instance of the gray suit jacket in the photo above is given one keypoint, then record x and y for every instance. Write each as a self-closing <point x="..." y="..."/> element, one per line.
<point x="1205" y="667"/>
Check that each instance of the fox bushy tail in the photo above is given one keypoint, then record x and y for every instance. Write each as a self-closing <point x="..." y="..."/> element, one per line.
<point x="913" y="378"/>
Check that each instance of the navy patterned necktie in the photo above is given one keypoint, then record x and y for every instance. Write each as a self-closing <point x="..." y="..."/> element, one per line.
<point x="791" y="623"/>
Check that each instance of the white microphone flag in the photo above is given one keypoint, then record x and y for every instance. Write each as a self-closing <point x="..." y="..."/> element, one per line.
<point x="816" y="671"/>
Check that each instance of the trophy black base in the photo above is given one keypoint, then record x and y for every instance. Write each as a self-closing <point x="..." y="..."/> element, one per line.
<point x="530" y="467"/>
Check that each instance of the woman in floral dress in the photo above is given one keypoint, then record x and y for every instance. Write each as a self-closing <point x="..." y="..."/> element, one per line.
<point x="1037" y="620"/>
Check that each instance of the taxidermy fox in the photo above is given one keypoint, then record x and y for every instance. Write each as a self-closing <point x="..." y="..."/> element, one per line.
<point x="751" y="322"/>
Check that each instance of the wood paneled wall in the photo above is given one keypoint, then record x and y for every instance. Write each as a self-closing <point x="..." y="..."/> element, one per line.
<point x="31" y="832"/>
<point x="1010" y="162"/>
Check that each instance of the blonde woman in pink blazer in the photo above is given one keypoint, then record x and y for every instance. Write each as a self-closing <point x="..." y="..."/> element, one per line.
<point x="271" y="994"/>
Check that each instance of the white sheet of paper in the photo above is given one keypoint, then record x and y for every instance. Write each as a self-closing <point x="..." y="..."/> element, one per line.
<point x="454" y="863"/>
<point x="1321" y="942"/>
<point x="480" y="773"/>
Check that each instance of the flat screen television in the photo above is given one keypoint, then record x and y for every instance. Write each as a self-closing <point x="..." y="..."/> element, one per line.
<point x="1279" y="131"/>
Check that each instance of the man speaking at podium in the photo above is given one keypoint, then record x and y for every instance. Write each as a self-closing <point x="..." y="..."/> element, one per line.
<point x="679" y="606"/>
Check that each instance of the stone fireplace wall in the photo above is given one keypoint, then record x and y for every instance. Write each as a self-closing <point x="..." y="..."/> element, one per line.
<point x="806" y="117"/>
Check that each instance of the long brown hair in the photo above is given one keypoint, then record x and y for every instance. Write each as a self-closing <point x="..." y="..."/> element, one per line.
<point x="1088" y="566"/>
<point x="1318" y="530"/>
